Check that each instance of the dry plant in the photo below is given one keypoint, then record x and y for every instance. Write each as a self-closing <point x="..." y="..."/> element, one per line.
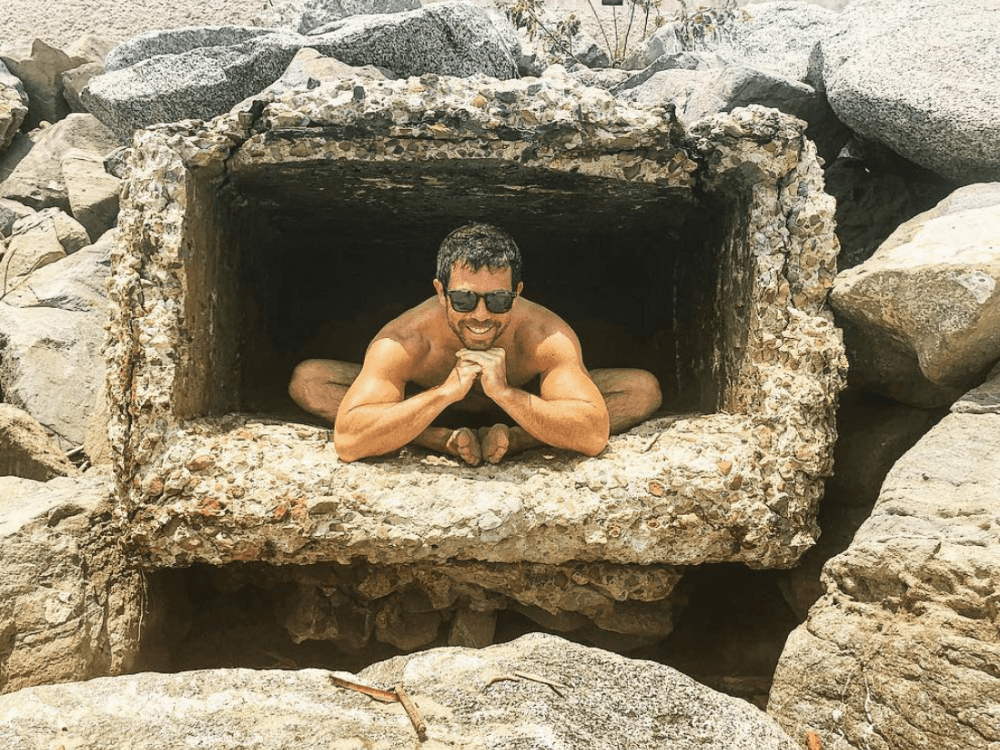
<point x="619" y="36"/>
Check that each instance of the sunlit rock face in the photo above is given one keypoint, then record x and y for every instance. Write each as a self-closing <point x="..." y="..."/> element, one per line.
<point x="297" y="227"/>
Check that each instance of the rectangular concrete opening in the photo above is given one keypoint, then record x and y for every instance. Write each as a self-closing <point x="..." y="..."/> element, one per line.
<point x="323" y="255"/>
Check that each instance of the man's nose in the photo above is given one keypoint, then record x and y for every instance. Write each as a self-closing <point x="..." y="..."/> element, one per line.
<point x="481" y="313"/>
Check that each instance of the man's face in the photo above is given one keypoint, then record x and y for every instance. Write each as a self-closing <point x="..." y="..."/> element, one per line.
<point x="480" y="328"/>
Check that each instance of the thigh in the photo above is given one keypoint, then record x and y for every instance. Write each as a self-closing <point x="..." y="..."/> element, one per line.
<point x="611" y="381"/>
<point x="328" y="371"/>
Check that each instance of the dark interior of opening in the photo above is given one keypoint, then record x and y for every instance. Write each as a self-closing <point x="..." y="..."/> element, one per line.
<point x="328" y="253"/>
<point x="731" y="626"/>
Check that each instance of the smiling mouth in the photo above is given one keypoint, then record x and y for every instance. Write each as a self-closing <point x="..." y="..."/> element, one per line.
<point x="478" y="331"/>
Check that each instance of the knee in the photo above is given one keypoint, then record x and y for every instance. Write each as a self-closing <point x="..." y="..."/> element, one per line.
<point x="305" y="375"/>
<point x="647" y="392"/>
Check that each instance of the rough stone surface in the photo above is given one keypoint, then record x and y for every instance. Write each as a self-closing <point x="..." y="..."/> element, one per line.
<point x="920" y="77"/>
<point x="39" y="68"/>
<point x="36" y="241"/>
<point x="76" y="80"/>
<point x="931" y="288"/>
<point x="10" y="212"/>
<point x="69" y="605"/>
<point x="541" y="51"/>
<point x="698" y="93"/>
<point x="451" y="38"/>
<point x="779" y="37"/>
<point x="160" y="42"/>
<point x="607" y="701"/>
<point x="736" y="485"/>
<point x="93" y="193"/>
<point x="197" y="83"/>
<point x="13" y="109"/>
<point x="872" y="433"/>
<point x="26" y="451"/>
<point x="871" y="204"/>
<point x="76" y="283"/>
<point x="50" y="349"/>
<point x="303" y="17"/>
<point x="37" y="180"/>
<point x="903" y="651"/>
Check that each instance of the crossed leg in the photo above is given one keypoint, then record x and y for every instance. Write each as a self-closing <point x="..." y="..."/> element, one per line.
<point x="319" y="385"/>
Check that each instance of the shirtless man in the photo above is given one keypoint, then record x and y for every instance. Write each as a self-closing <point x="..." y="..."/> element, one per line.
<point x="476" y="346"/>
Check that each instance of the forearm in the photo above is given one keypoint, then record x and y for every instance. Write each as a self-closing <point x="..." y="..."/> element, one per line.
<point x="375" y="429"/>
<point x="573" y="424"/>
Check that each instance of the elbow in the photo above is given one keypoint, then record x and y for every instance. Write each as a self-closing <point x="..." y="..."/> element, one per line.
<point x="596" y="442"/>
<point x="347" y="449"/>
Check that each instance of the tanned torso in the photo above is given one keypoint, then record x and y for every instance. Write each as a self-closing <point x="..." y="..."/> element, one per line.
<point x="424" y="333"/>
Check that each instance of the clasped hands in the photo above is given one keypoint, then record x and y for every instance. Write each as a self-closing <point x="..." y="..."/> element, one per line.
<point x="489" y="366"/>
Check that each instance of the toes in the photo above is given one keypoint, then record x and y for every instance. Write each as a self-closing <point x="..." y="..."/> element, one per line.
<point x="496" y="443"/>
<point x="464" y="441"/>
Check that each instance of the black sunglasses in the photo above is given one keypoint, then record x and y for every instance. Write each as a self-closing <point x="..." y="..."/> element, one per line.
<point x="496" y="302"/>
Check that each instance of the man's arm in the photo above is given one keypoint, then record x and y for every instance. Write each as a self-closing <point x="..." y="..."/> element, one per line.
<point x="374" y="418"/>
<point x="570" y="412"/>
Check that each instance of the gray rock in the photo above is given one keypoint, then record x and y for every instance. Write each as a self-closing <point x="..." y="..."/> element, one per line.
<point x="982" y="400"/>
<point x="608" y="702"/>
<point x="178" y="41"/>
<point x="779" y="37"/>
<point x="10" y="212"/>
<point x="75" y="283"/>
<point x="36" y="241"/>
<point x="51" y="366"/>
<point x="197" y="83"/>
<point x="39" y="69"/>
<point x="75" y="81"/>
<point x="701" y="92"/>
<point x="606" y="78"/>
<point x="26" y="451"/>
<point x="903" y="650"/>
<point x="872" y="204"/>
<point x="448" y="38"/>
<point x="671" y="61"/>
<point x="36" y="180"/>
<point x="302" y="16"/>
<point x="69" y="605"/>
<point x="920" y="78"/>
<point x="93" y="193"/>
<point x="930" y="292"/>
<point x="541" y="51"/>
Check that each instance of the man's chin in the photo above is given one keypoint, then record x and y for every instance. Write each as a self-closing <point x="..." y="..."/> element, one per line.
<point x="477" y="345"/>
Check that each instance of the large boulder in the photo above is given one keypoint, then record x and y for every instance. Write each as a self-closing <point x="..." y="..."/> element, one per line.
<point x="149" y="82"/>
<point x="11" y="212"/>
<point x="303" y="17"/>
<point x="92" y="192"/>
<point x="13" y="106"/>
<point x="69" y="605"/>
<point x="470" y="699"/>
<point x="26" y="451"/>
<point x="903" y="651"/>
<point x="924" y="310"/>
<point x="697" y="93"/>
<point x="37" y="179"/>
<point x="195" y="83"/>
<point x="451" y="38"/>
<point x="36" y="241"/>
<point x="39" y="67"/>
<point x="920" y="77"/>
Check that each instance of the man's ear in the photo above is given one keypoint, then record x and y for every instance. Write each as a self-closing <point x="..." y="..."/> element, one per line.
<point x="520" y="286"/>
<point x="439" y="287"/>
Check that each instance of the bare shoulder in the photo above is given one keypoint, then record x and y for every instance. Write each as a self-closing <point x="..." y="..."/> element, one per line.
<point x="546" y="338"/>
<point x="403" y="343"/>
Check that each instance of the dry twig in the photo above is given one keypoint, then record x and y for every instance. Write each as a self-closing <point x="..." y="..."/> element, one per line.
<point x="411" y="710"/>
<point x="556" y="686"/>
<point x="380" y="695"/>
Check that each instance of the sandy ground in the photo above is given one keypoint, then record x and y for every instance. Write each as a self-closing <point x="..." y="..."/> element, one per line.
<point x="62" y="22"/>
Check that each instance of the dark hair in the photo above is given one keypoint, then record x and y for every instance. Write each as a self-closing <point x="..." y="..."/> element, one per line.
<point x="478" y="245"/>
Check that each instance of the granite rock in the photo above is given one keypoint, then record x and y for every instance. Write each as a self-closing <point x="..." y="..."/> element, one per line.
<point x="920" y="77"/>
<point x="929" y="291"/>
<point x="902" y="652"/>
<point x="161" y="42"/>
<point x="304" y="16"/>
<point x="76" y="80"/>
<point x="69" y="604"/>
<point x="602" y="701"/>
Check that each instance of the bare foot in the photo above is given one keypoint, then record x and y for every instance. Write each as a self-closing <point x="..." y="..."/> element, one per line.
<point x="495" y="441"/>
<point x="465" y="444"/>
